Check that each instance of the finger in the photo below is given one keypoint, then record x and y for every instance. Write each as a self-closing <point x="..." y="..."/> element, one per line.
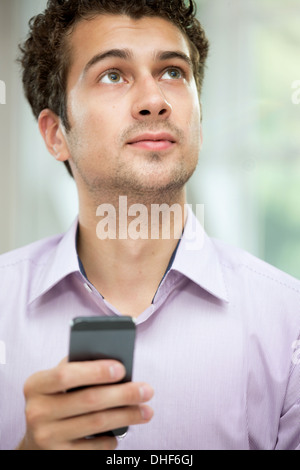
<point x="74" y="374"/>
<point x="95" y="399"/>
<point x="95" y="423"/>
<point x="65" y="360"/>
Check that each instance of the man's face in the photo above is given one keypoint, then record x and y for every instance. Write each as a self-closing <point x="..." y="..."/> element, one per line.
<point x="133" y="106"/>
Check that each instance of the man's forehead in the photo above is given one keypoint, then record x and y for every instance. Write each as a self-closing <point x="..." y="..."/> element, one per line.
<point x="104" y="32"/>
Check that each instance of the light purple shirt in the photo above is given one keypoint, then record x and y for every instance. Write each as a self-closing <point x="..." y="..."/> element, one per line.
<point x="220" y="344"/>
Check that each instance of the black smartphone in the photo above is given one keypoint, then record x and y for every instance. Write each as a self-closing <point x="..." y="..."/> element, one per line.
<point x="94" y="338"/>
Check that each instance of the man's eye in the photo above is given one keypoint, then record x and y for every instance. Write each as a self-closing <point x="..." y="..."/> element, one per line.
<point x="173" y="74"/>
<point x="112" y="77"/>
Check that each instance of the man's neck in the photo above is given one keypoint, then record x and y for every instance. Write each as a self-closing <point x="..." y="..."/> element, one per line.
<point x="125" y="249"/>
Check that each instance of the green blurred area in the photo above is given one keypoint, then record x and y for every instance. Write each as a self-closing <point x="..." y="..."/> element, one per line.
<point x="279" y="136"/>
<point x="256" y="44"/>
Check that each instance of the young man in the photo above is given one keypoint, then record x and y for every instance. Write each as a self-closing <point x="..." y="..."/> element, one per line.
<point x="115" y="87"/>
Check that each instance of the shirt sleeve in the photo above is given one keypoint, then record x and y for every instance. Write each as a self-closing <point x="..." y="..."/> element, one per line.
<point x="289" y="427"/>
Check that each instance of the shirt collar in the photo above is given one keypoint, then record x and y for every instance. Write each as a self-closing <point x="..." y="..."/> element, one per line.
<point x="196" y="258"/>
<point x="61" y="262"/>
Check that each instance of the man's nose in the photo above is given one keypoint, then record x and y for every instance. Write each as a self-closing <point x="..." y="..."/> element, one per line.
<point x="150" y="102"/>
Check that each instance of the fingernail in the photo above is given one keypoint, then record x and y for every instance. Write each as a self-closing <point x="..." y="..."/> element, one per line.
<point x="146" y="413"/>
<point x="146" y="392"/>
<point x="117" y="371"/>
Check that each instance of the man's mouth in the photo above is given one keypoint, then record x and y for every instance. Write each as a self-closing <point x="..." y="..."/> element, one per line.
<point x="154" y="142"/>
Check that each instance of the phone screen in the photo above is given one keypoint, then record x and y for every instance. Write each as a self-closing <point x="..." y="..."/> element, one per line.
<point x="103" y="338"/>
<point x="94" y="338"/>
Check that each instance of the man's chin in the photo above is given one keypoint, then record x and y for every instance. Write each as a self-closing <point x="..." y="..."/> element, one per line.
<point x="154" y="189"/>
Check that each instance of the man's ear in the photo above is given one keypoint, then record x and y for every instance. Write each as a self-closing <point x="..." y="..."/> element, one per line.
<point x="51" y="130"/>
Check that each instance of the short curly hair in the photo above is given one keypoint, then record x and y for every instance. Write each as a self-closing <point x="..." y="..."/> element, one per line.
<point x="45" y="54"/>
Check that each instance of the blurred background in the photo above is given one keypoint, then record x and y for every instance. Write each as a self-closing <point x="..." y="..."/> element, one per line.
<point x="248" y="177"/>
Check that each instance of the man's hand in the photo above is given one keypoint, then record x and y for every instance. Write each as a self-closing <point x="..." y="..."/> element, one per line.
<point x="60" y="421"/>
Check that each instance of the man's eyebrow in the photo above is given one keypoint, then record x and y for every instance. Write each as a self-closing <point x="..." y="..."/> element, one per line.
<point x="167" y="55"/>
<point x="124" y="54"/>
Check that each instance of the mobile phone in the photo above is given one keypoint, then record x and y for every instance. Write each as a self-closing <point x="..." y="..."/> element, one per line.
<point x="94" y="338"/>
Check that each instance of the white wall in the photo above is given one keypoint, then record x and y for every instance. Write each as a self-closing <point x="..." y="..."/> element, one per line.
<point x="37" y="196"/>
<point x="6" y="169"/>
<point x="222" y="179"/>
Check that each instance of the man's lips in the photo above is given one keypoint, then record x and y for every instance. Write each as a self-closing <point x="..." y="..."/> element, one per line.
<point x="161" y="141"/>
